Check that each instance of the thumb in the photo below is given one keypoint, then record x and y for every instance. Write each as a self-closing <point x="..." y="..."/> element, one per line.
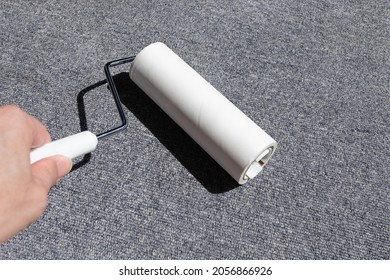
<point x="48" y="171"/>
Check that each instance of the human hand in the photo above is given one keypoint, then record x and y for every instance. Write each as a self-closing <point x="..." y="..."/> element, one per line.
<point x="24" y="187"/>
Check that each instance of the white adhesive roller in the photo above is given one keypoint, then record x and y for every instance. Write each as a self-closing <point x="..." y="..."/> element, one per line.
<point x="72" y="146"/>
<point x="240" y="146"/>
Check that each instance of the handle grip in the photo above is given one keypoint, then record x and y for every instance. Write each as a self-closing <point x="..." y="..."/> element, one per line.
<point x="72" y="146"/>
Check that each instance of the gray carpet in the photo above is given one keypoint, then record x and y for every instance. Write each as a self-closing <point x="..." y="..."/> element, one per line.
<point x="313" y="74"/>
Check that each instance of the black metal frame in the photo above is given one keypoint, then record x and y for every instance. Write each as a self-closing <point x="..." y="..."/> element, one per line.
<point x="112" y="88"/>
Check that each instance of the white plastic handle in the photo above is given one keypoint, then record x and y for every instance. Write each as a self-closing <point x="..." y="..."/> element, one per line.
<point x="72" y="146"/>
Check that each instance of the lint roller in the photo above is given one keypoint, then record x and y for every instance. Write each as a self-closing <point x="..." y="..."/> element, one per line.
<point x="232" y="139"/>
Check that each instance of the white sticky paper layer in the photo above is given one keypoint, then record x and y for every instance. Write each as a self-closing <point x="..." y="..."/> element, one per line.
<point x="239" y="145"/>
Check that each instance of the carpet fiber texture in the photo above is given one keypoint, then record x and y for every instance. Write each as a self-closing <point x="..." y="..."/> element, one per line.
<point x="313" y="74"/>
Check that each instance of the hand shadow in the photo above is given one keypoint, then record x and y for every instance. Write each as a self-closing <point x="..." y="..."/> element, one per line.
<point x="208" y="172"/>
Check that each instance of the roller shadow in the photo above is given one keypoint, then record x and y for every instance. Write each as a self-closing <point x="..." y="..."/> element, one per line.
<point x="208" y="172"/>
<point x="204" y="168"/>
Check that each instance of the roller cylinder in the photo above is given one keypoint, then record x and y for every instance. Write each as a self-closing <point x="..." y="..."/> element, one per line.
<point x="232" y="139"/>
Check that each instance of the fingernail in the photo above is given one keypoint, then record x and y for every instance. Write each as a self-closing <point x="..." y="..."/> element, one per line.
<point x="64" y="165"/>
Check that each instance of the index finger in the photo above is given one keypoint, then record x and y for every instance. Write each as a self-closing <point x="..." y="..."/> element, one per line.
<point x="40" y="135"/>
<point x="22" y="128"/>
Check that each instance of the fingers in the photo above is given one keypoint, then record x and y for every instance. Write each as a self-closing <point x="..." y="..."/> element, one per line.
<point x="48" y="171"/>
<point x="24" y="187"/>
